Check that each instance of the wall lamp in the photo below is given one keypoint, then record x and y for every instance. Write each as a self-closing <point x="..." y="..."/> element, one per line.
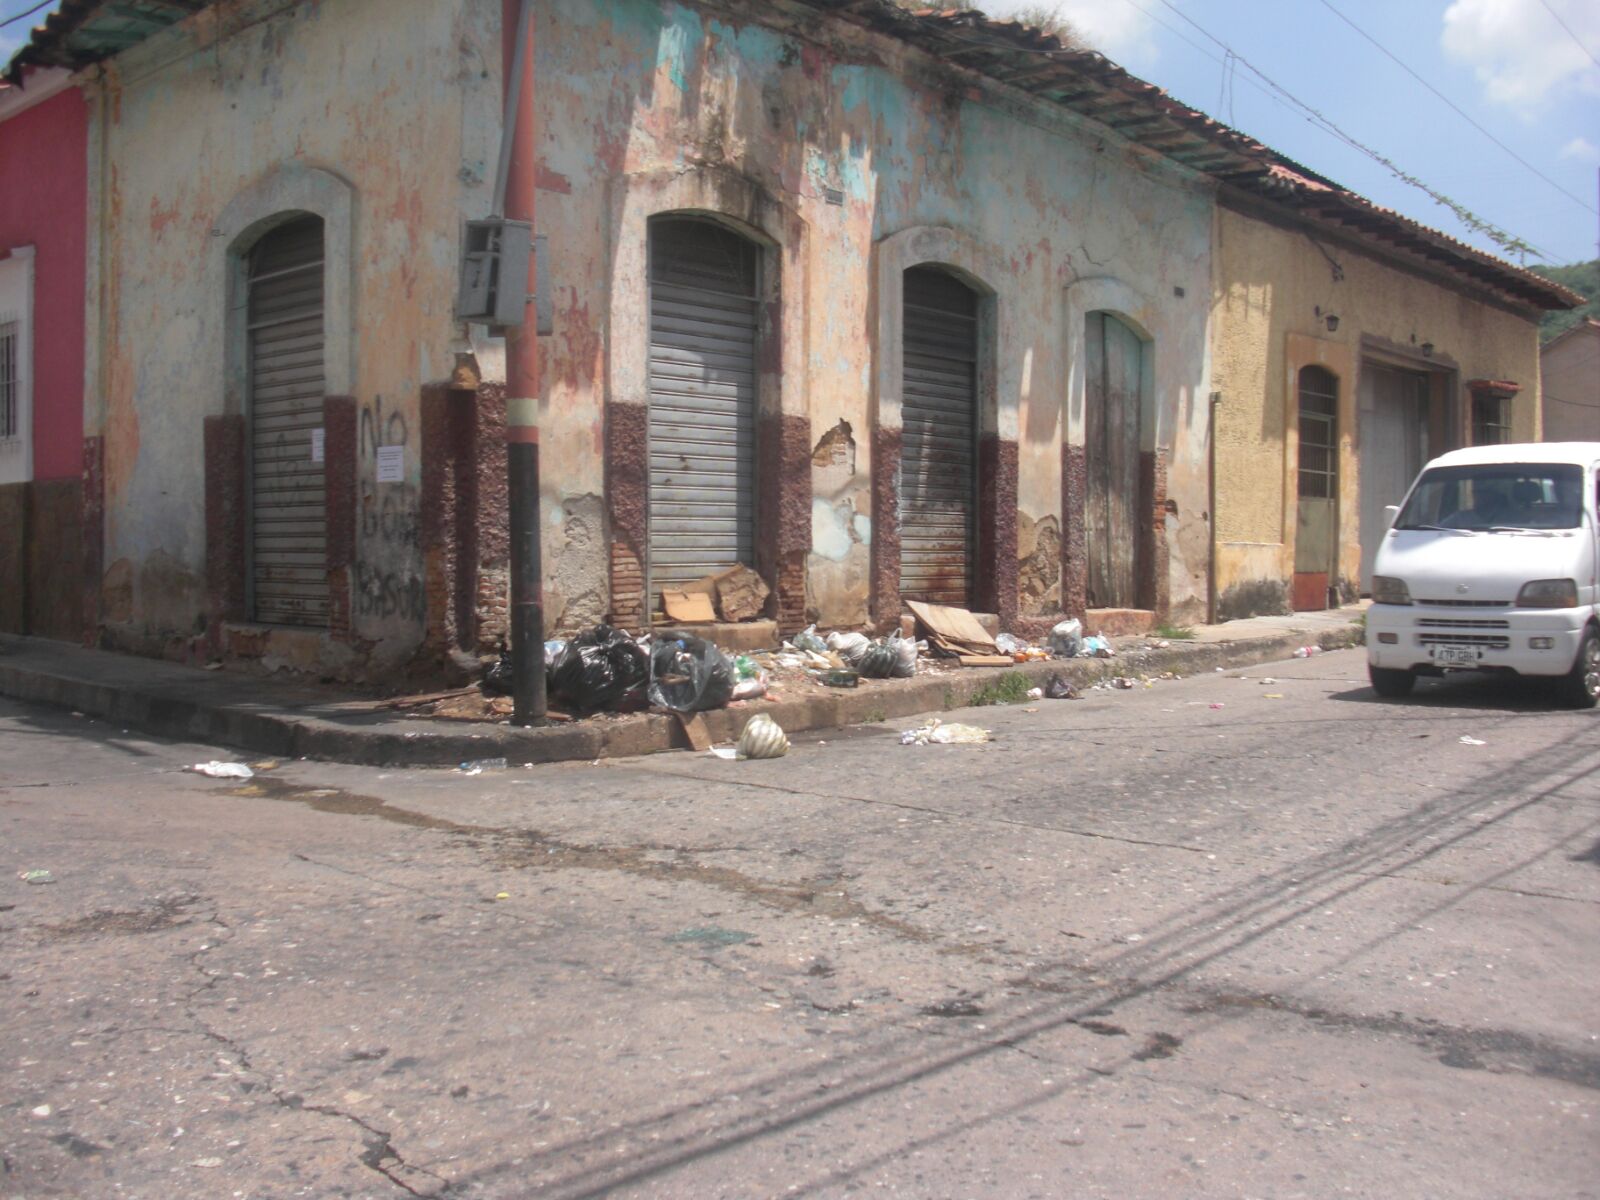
<point x="1330" y="319"/>
<point x="1427" y="349"/>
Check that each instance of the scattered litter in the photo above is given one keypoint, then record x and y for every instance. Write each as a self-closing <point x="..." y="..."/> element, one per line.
<point x="1158" y="644"/>
<point x="1008" y="644"/>
<point x="750" y="689"/>
<point x="1215" y="704"/>
<point x="1268" y="680"/>
<point x="1121" y="682"/>
<point x="843" y="678"/>
<point x="1035" y="693"/>
<point x="502" y="895"/>
<point x="37" y="875"/>
<point x="1471" y="741"/>
<point x="223" y="770"/>
<point x="1307" y="651"/>
<point x="1031" y="709"/>
<point x="849" y="646"/>
<point x="213" y="666"/>
<point x="688" y="674"/>
<point x="1272" y="695"/>
<point x="267" y="764"/>
<point x="1066" y="639"/>
<point x="1097" y="646"/>
<point x="728" y="752"/>
<point x="762" y="738"/>
<point x="937" y="732"/>
<point x="601" y="668"/>
<point x="1059" y="688"/>
<point x="42" y="1110"/>
<point x="479" y="765"/>
<point x="711" y="935"/>
<point x="807" y="639"/>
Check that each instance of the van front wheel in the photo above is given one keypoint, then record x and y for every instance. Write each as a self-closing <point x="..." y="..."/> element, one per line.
<point x="1582" y="684"/>
<point x="1391" y="684"/>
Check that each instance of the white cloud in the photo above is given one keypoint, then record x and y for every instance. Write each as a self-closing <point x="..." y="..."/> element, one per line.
<point x="1581" y="148"/>
<point x="1114" y="27"/>
<point x="1519" y="50"/>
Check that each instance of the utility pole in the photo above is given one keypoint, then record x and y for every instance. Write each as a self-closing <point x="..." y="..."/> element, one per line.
<point x="522" y="380"/>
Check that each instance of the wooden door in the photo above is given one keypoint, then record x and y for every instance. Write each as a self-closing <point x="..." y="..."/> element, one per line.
<point x="1113" y="532"/>
<point x="1316" y="535"/>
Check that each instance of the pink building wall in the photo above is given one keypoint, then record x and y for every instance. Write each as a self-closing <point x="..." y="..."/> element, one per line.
<point x="44" y="203"/>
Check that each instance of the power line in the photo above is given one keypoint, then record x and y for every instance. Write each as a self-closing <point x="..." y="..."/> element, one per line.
<point x="22" y="16"/>
<point x="1453" y="107"/>
<point x="1506" y="241"/>
<point x="1570" y="34"/>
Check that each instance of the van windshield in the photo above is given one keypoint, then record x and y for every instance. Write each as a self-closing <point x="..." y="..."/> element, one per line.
<point x="1496" y="496"/>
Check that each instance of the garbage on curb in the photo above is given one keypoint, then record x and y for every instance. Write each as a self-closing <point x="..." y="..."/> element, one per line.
<point x="807" y="639"/>
<point x="688" y="674"/>
<point x="762" y="738"/>
<point x="842" y="678"/>
<point x="1122" y="682"/>
<point x="479" y="765"/>
<point x="599" y="669"/>
<point x="1035" y="693"/>
<point x="223" y="770"/>
<point x="1307" y="651"/>
<point x="1465" y="740"/>
<point x="936" y="732"/>
<point x="1058" y="688"/>
<point x="38" y="875"/>
<point x="952" y="631"/>
<point x="1066" y="639"/>
<point x="1097" y="646"/>
<point x="849" y="646"/>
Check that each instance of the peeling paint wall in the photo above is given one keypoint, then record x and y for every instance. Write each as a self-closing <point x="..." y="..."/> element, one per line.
<point x="1274" y="289"/>
<point x="231" y="112"/>
<point x="827" y="140"/>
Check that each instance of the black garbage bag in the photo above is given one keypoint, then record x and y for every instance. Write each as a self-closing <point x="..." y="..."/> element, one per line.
<point x="601" y="668"/>
<point x="497" y="679"/>
<point x="1059" y="689"/>
<point x="688" y="674"/>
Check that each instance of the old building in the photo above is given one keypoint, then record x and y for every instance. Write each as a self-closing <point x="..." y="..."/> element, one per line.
<point x="1570" y="367"/>
<point x="43" y="208"/>
<point x="1350" y="345"/>
<point x="883" y="304"/>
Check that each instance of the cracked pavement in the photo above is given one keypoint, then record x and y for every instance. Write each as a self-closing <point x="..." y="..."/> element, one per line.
<point x="1304" y="944"/>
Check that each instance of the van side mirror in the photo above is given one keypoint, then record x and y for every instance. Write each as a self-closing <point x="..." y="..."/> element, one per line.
<point x="1390" y="512"/>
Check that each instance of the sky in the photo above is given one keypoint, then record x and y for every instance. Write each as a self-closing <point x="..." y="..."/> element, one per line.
<point x="1525" y="72"/>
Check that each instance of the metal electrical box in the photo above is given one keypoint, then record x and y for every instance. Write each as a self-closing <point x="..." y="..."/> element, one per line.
<point x="494" y="264"/>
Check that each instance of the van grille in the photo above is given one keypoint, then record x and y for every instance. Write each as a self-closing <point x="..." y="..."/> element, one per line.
<point x="1442" y="623"/>
<point x="1466" y="603"/>
<point x="1488" y="641"/>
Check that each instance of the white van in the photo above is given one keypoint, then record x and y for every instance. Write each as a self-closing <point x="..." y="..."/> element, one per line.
<point x="1491" y="565"/>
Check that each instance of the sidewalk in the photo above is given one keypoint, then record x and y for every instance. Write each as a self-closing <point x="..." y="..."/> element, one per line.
<point x="282" y="719"/>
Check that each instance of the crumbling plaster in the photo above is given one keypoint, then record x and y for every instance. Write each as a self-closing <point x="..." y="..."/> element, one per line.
<point x="847" y="150"/>
<point x="381" y="126"/>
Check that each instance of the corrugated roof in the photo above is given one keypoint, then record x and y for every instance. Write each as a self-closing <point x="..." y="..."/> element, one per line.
<point x="83" y="32"/>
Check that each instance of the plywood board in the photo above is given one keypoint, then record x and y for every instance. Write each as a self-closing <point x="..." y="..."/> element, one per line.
<point x="687" y="608"/>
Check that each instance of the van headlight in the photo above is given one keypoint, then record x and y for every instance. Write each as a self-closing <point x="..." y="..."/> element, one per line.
<point x="1548" y="593"/>
<point x="1386" y="589"/>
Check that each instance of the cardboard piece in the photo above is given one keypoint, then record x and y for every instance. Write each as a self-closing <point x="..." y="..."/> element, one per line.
<point x="953" y="630"/>
<point x="985" y="660"/>
<point x="740" y="593"/>
<point x="694" y="728"/>
<point x="687" y="608"/>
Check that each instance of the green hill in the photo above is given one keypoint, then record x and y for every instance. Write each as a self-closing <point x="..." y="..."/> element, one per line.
<point x="1583" y="278"/>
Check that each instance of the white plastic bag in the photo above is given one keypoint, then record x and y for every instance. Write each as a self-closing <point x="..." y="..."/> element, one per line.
<point x="849" y="646"/>
<point x="1066" y="639"/>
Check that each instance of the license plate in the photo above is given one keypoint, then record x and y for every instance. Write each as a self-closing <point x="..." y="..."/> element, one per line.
<point x="1456" y="656"/>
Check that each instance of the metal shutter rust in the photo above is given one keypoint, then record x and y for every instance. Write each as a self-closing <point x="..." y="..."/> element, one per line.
<point x="703" y="321"/>
<point x="288" y="532"/>
<point x="939" y="429"/>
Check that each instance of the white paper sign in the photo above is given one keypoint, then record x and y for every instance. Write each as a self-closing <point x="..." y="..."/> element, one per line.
<point x="318" y="444"/>
<point x="391" y="464"/>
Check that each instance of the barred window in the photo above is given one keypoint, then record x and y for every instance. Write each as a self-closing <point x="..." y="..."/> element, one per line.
<point x="1491" y="420"/>
<point x="10" y="381"/>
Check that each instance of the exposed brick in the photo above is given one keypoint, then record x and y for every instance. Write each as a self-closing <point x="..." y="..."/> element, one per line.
<point x="339" y="451"/>
<point x="1074" y="545"/>
<point x="226" y="531"/>
<point x="996" y="575"/>
<point x="885" y="598"/>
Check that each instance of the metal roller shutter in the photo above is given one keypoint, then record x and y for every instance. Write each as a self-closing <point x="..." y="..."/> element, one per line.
<point x="703" y="319"/>
<point x="288" y="535"/>
<point x="939" y="411"/>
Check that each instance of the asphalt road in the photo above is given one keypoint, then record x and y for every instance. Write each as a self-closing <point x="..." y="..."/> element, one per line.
<point x="1222" y="936"/>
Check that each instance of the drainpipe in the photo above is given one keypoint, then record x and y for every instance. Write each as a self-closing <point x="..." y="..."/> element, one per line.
<point x="522" y="379"/>
<point x="1211" y="503"/>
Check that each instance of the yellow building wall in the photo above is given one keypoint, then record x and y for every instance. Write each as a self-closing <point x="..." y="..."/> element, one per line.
<point x="1273" y="290"/>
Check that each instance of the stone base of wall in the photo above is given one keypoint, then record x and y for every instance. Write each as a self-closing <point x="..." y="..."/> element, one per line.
<point x="41" y="541"/>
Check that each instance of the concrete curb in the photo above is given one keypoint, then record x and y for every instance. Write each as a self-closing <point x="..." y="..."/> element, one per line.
<point x="175" y="708"/>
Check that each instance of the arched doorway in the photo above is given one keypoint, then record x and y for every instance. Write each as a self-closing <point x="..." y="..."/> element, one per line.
<point x="285" y="337"/>
<point x="704" y="320"/>
<point x="1114" y="536"/>
<point x="939" y="436"/>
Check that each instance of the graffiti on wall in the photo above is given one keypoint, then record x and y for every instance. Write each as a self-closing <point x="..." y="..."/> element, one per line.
<point x="387" y="583"/>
